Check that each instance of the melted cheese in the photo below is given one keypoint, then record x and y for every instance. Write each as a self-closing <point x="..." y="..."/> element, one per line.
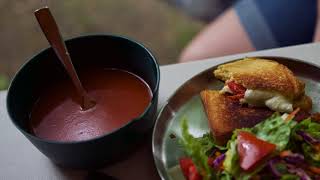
<point x="272" y="100"/>
<point x="279" y="103"/>
<point x="257" y="97"/>
<point x="225" y="89"/>
<point x="261" y="98"/>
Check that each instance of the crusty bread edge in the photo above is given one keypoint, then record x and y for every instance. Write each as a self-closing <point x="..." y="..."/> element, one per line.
<point x="297" y="85"/>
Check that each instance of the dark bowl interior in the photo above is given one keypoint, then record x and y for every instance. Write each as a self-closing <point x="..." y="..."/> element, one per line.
<point x="44" y="69"/>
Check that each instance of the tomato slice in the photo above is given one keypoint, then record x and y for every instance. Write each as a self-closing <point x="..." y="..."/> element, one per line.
<point x="236" y="88"/>
<point x="193" y="174"/>
<point x="252" y="150"/>
<point x="189" y="170"/>
<point x="237" y="96"/>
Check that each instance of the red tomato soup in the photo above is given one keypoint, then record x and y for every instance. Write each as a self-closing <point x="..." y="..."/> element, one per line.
<point x="120" y="96"/>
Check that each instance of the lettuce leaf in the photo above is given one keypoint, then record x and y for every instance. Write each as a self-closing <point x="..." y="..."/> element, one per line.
<point x="224" y="176"/>
<point x="231" y="161"/>
<point x="274" y="130"/>
<point x="289" y="177"/>
<point x="310" y="127"/>
<point x="197" y="149"/>
<point x="313" y="129"/>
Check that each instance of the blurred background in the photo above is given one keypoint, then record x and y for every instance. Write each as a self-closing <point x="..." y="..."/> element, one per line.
<point x="164" y="26"/>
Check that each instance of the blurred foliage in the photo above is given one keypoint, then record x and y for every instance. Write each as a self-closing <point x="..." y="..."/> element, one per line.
<point x="185" y="36"/>
<point x="4" y="82"/>
<point x="162" y="28"/>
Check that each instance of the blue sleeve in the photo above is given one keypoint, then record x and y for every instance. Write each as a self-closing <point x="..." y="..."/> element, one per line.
<point x="278" y="23"/>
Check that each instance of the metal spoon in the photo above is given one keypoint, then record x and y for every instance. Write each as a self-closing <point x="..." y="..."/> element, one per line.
<point x="52" y="33"/>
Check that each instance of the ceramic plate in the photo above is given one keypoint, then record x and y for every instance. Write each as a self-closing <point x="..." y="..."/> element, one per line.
<point x="185" y="102"/>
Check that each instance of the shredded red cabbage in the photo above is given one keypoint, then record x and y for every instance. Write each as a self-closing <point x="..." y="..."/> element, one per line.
<point x="273" y="169"/>
<point x="294" y="158"/>
<point x="301" y="115"/>
<point x="299" y="172"/>
<point x="308" y="138"/>
<point x="217" y="162"/>
<point x="293" y="162"/>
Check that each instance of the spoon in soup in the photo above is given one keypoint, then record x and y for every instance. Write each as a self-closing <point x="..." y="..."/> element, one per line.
<point x="52" y="33"/>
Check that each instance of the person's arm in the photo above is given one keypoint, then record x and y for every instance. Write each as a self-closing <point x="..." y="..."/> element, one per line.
<point x="224" y="36"/>
<point x="317" y="31"/>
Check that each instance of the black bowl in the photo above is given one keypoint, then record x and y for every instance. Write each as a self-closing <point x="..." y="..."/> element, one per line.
<point x="44" y="69"/>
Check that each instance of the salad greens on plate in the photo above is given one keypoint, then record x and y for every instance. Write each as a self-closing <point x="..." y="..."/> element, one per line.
<point x="278" y="148"/>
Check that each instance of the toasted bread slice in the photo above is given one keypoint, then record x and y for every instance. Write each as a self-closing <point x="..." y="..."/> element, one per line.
<point x="304" y="103"/>
<point x="262" y="74"/>
<point x="225" y="114"/>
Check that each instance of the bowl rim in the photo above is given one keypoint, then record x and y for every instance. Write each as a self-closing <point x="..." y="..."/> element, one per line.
<point x="155" y="90"/>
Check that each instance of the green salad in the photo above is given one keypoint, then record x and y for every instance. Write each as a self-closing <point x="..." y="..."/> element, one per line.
<point x="277" y="148"/>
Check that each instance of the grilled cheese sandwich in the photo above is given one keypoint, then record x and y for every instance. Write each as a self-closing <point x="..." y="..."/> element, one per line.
<point x="280" y="91"/>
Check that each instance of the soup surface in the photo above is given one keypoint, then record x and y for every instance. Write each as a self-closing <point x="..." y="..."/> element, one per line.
<point x="120" y="97"/>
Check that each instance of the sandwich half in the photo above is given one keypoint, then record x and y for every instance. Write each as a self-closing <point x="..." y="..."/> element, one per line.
<point x="226" y="114"/>
<point x="263" y="83"/>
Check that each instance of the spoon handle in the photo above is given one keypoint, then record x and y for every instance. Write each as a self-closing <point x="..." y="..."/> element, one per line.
<point x="52" y="33"/>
